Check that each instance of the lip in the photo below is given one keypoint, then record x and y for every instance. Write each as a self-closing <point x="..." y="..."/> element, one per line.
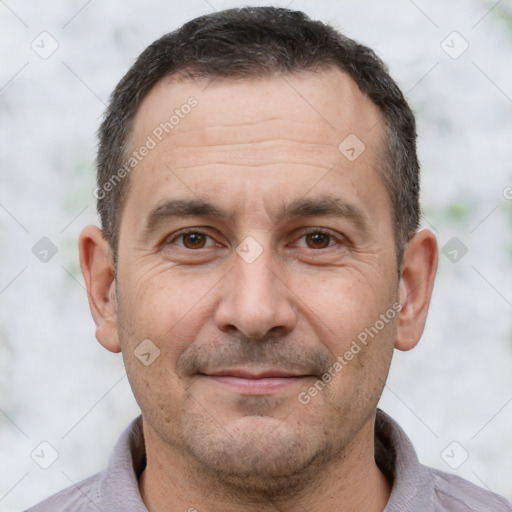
<point x="256" y="382"/>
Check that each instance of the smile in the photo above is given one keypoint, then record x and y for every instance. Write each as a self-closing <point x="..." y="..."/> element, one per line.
<point x="254" y="383"/>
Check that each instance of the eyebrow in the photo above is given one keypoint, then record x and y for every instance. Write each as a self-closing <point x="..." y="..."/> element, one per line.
<point x="326" y="206"/>
<point x="178" y="208"/>
<point x="303" y="207"/>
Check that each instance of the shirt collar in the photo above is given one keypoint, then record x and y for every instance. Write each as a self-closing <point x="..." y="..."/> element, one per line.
<point x="412" y="483"/>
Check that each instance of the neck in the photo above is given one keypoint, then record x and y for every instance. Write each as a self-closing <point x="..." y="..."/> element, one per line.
<point x="351" y="482"/>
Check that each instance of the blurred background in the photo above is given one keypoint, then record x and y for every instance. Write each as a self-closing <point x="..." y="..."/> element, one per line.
<point x="59" y="63"/>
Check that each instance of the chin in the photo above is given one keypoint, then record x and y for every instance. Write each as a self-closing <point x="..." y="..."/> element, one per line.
<point x="260" y="455"/>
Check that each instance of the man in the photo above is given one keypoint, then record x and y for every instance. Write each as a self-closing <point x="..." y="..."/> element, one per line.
<point x="258" y="262"/>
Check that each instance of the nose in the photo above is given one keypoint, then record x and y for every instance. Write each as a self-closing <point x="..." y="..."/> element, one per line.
<point x="255" y="300"/>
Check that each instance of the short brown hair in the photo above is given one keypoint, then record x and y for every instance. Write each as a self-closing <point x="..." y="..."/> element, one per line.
<point x="257" y="42"/>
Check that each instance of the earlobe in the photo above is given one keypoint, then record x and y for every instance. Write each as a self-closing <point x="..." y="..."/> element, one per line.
<point x="415" y="288"/>
<point x="97" y="268"/>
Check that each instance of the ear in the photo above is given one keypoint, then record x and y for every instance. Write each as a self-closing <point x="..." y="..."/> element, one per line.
<point x="97" y="267"/>
<point x="415" y="288"/>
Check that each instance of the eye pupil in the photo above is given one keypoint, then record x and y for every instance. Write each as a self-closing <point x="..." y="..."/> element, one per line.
<point x="195" y="240"/>
<point x="318" y="240"/>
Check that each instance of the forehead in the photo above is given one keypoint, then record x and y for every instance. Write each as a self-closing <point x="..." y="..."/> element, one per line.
<point x="275" y="135"/>
<point x="328" y="102"/>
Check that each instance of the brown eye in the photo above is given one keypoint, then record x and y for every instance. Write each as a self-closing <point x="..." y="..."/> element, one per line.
<point x="194" y="240"/>
<point x="317" y="240"/>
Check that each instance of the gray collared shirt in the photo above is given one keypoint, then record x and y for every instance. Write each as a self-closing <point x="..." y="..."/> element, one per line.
<point x="416" y="488"/>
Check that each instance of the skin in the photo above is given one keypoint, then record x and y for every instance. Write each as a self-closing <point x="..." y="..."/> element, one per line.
<point x="217" y="437"/>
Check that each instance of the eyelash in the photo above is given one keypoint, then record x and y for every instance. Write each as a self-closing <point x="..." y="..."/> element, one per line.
<point x="307" y="231"/>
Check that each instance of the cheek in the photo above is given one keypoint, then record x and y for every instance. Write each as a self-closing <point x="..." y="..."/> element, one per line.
<point x="160" y="318"/>
<point x="354" y="318"/>
<point x="166" y="307"/>
<point x="345" y="304"/>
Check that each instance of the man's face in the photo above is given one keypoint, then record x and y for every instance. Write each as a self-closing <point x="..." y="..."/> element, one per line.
<point x="253" y="252"/>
